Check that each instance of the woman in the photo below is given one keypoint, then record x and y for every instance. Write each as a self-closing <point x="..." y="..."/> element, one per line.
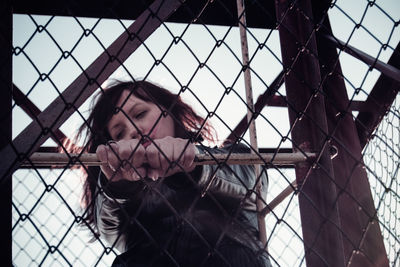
<point x="149" y="200"/>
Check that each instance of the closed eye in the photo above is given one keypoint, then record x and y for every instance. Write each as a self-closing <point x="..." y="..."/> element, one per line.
<point x="140" y="115"/>
<point x="119" y="135"/>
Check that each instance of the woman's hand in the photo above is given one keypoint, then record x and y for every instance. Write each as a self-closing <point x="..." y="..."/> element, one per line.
<point x="130" y="160"/>
<point x="124" y="159"/>
<point x="168" y="156"/>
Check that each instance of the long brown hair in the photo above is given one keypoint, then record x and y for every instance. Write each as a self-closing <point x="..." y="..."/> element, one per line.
<point x="188" y="124"/>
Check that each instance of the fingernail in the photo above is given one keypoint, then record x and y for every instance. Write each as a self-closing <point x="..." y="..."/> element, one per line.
<point x="112" y="168"/>
<point x="152" y="175"/>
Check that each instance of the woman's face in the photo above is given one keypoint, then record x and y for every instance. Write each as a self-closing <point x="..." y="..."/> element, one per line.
<point x="139" y="116"/>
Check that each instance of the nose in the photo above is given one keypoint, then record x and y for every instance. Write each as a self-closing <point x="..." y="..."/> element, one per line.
<point x="134" y="131"/>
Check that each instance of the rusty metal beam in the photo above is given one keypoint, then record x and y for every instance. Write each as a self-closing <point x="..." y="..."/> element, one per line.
<point x="61" y="108"/>
<point x="53" y="149"/>
<point x="260" y="150"/>
<point x="379" y="101"/>
<point x="90" y="159"/>
<point x="362" y="239"/>
<point x="222" y="12"/>
<point x="6" y="127"/>
<point x="387" y="69"/>
<point x="317" y="192"/>
<point x="262" y="232"/>
<point x="33" y="111"/>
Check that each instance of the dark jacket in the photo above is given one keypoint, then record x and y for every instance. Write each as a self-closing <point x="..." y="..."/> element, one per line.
<point x="207" y="217"/>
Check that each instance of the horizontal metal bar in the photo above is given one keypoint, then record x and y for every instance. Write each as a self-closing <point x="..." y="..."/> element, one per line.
<point x="260" y="150"/>
<point x="42" y="159"/>
<point x="221" y="12"/>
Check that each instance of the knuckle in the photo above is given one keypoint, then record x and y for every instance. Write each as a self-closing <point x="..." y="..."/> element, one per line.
<point x="168" y="138"/>
<point x="151" y="151"/>
<point x="101" y="153"/>
<point x="125" y="152"/>
<point x="113" y="149"/>
<point x="140" y="152"/>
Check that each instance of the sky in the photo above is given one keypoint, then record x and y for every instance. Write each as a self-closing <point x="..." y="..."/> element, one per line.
<point x="179" y="67"/>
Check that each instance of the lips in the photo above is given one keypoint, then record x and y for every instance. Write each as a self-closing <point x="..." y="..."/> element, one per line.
<point x="147" y="140"/>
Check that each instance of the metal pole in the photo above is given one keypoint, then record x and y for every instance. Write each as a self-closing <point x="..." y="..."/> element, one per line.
<point x="250" y="112"/>
<point x="90" y="159"/>
<point x="317" y="193"/>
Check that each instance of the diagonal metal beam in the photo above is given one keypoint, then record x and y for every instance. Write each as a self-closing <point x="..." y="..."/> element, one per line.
<point x="81" y="88"/>
<point x="379" y="101"/>
<point x="388" y="69"/>
<point x="33" y="111"/>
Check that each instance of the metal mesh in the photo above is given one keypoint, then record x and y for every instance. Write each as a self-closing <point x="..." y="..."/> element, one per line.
<point x="380" y="156"/>
<point x="59" y="62"/>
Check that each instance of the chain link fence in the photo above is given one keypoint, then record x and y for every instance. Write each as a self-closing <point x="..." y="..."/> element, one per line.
<point x="325" y="77"/>
<point x="383" y="173"/>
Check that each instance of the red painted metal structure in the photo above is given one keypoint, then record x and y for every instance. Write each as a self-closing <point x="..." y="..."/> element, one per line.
<point x="378" y="102"/>
<point x="6" y="126"/>
<point x="317" y="192"/>
<point x="33" y="111"/>
<point x="361" y="235"/>
<point x="222" y="12"/>
<point x="338" y="216"/>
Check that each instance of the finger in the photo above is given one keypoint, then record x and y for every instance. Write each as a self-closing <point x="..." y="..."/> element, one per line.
<point x="166" y="157"/>
<point x="113" y="158"/>
<point x="180" y="155"/>
<point x="131" y="153"/>
<point x="138" y="153"/>
<point x="153" y="157"/>
<point x="102" y="156"/>
<point x="136" y="174"/>
<point x="189" y="155"/>
<point x="125" y="153"/>
<point x="141" y="172"/>
<point x="153" y="174"/>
